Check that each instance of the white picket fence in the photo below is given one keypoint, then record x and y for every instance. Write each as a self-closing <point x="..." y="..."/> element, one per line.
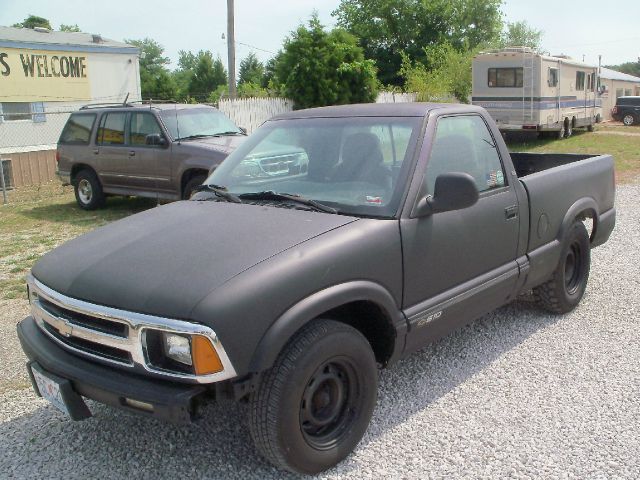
<point x="394" y="97"/>
<point x="250" y="113"/>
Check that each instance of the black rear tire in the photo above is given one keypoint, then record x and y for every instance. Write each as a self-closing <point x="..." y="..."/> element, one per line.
<point x="313" y="406"/>
<point x="191" y="185"/>
<point x="564" y="290"/>
<point x="88" y="190"/>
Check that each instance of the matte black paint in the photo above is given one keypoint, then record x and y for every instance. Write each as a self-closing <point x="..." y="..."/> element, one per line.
<point x="256" y="274"/>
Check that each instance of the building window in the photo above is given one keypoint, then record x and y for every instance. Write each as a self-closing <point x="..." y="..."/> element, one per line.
<point x="628" y="92"/>
<point x="15" y="111"/>
<point x="579" y="81"/>
<point x="619" y="92"/>
<point x="505" y="77"/>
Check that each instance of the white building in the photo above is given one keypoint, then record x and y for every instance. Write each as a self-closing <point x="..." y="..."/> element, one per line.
<point x="43" y="76"/>
<point x="616" y="84"/>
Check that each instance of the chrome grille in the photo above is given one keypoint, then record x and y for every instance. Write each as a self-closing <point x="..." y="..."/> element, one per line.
<point x="112" y="336"/>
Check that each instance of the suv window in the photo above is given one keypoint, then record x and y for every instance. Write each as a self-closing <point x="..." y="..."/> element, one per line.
<point x="111" y="131"/>
<point x="464" y="144"/>
<point x="141" y="125"/>
<point x="629" y="101"/>
<point x="77" y="131"/>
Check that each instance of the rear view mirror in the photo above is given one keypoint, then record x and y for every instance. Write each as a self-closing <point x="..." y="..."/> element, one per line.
<point x="453" y="191"/>
<point x="155" y="139"/>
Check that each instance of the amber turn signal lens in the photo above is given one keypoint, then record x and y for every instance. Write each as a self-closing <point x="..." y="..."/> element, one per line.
<point x="205" y="358"/>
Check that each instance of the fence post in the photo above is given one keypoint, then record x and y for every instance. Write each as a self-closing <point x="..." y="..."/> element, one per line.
<point x="4" y="187"/>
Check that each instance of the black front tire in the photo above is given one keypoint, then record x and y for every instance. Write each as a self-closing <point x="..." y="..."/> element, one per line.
<point x="564" y="290"/>
<point x="191" y="185"/>
<point x="88" y="190"/>
<point x="313" y="406"/>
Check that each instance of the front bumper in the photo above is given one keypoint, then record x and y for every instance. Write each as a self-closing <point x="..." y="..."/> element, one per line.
<point x="173" y="402"/>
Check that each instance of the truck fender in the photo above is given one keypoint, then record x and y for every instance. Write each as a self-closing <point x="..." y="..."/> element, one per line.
<point x="297" y="316"/>
<point x="582" y="205"/>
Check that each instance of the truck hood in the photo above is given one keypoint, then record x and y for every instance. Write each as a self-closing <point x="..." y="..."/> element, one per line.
<point x="225" y="144"/>
<point x="165" y="260"/>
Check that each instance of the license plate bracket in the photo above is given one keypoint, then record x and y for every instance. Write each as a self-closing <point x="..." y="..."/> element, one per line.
<point x="58" y="391"/>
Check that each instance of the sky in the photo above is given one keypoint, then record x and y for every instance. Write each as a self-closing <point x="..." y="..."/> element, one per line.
<point x="571" y="27"/>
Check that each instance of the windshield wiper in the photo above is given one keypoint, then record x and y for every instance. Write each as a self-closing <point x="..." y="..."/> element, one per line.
<point x="232" y="132"/>
<point x="287" y="197"/>
<point x="219" y="191"/>
<point x="191" y="137"/>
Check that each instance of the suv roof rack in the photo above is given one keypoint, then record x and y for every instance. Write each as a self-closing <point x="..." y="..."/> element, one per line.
<point x="125" y="104"/>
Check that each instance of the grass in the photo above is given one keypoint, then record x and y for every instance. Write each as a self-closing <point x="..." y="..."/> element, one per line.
<point x="621" y="142"/>
<point x="38" y="219"/>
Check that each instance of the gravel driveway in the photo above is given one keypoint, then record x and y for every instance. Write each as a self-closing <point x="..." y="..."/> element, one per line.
<point x="518" y="393"/>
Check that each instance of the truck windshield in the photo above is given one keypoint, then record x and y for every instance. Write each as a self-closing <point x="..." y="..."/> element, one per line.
<point x="198" y="122"/>
<point x="355" y="165"/>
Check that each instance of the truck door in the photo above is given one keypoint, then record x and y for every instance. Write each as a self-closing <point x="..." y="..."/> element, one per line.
<point x="149" y="165"/>
<point x="111" y="150"/>
<point x="460" y="264"/>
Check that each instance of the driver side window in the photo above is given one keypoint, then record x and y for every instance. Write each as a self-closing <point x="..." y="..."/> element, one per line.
<point x="464" y="144"/>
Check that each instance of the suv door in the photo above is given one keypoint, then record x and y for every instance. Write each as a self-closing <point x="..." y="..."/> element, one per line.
<point x="460" y="264"/>
<point x="111" y="150"/>
<point x="149" y="164"/>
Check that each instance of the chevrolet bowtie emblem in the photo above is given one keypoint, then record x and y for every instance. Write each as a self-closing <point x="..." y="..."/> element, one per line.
<point x="66" y="329"/>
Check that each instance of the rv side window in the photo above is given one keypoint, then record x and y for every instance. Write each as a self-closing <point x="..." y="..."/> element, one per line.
<point x="580" y="81"/>
<point x="553" y="77"/>
<point x="505" y="77"/>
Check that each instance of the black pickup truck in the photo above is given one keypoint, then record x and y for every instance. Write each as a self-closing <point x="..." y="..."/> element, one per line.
<point x="384" y="228"/>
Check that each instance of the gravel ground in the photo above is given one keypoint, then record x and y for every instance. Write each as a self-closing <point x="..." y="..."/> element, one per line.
<point x="518" y="393"/>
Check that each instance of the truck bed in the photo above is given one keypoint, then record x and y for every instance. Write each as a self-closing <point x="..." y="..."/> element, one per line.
<point x="528" y="163"/>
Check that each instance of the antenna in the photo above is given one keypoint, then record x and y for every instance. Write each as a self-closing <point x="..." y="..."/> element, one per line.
<point x="175" y="109"/>
<point x="125" y="99"/>
<point x="155" y="157"/>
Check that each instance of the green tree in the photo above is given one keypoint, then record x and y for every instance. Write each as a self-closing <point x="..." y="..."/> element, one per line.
<point x="155" y="80"/>
<point x="325" y="68"/>
<point x="251" y="70"/>
<point x="447" y="79"/>
<point x="69" y="28"/>
<point x="208" y="74"/>
<point x="33" y="21"/>
<point x="520" y="34"/>
<point x="388" y="28"/>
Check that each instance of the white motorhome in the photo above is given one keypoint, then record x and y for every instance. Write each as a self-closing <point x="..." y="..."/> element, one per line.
<point x="523" y="90"/>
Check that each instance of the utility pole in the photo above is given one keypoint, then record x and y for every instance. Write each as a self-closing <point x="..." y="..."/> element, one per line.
<point x="231" y="48"/>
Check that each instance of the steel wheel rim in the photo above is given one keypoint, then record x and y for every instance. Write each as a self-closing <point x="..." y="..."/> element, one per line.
<point x="627" y="120"/>
<point x="328" y="404"/>
<point x="85" y="192"/>
<point x="573" y="269"/>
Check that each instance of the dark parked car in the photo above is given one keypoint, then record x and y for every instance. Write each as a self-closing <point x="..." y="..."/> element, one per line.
<point x="380" y="229"/>
<point x="627" y="110"/>
<point x="162" y="151"/>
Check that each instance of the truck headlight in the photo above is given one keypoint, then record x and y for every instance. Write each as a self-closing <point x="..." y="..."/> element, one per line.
<point x="181" y="353"/>
<point x="177" y="347"/>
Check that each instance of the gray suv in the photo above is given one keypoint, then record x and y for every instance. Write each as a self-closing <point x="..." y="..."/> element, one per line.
<point x="162" y="151"/>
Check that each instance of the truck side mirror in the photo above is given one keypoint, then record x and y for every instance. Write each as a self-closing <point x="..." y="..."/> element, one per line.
<point x="453" y="191"/>
<point x="155" y="139"/>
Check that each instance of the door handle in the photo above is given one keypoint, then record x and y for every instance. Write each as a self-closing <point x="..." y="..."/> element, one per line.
<point x="96" y="151"/>
<point x="511" y="212"/>
<point x="132" y="153"/>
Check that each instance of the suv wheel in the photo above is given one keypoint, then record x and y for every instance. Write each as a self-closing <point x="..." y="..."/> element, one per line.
<point x="628" y="119"/>
<point x="313" y="406"/>
<point x="88" y="190"/>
